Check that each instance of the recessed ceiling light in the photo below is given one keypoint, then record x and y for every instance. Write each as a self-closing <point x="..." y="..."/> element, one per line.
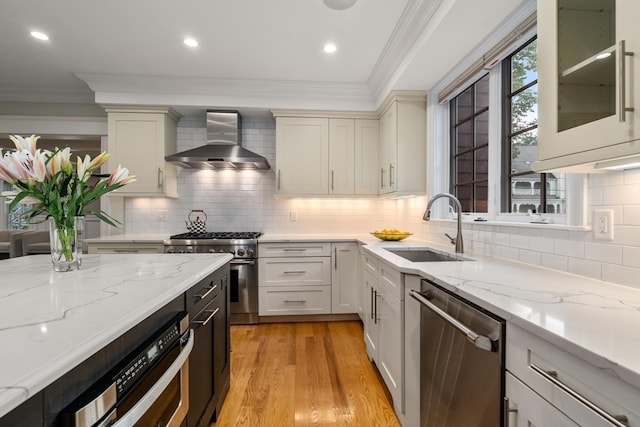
<point x="191" y="42"/>
<point x="38" y="35"/>
<point x="330" y="48"/>
<point x="339" y="4"/>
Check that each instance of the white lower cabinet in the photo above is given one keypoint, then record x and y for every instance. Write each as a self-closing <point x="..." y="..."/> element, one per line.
<point x="411" y="373"/>
<point x="587" y="394"/>
<point x="307" y="278"/>
<point x="344" y="278"/>
<point x="383" y="327"/>
<point x="527" y="409"/>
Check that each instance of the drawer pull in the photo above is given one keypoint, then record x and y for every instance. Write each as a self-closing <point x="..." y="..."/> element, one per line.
<point x="294" y="249"/>
<point x="203" y="296"/>
<point x="295" y="272"/>
<point x="506" y="410"/>
<point x="552" y="377"/>
<point x="299" y="301"/>
<point x="204" y="322"/>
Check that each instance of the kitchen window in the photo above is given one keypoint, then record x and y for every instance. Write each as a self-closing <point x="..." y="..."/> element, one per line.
<point x="490" y="124"/>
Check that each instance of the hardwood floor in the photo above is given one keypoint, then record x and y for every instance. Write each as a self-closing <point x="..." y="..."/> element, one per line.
<point x="303" y="374"/>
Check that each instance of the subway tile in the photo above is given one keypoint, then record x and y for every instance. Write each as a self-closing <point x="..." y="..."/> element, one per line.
<point x="530" y="257"/>
<point x="631" y="257"/>
<point x="569" y="248"/>
<point x="585" y="267"/>
<point x="603" y="253"/>
<point x="518" y="241"/>
<point x="622" y="275"/>
<point x="541" y="244"/>
<point x="621" y="195"/>
<point x="553" y="261"/>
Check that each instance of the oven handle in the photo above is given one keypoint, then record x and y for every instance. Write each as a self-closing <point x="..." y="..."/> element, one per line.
<point x="233" y="262"/>
<point x="143" y="405"/>
<point x="480" y="341"/>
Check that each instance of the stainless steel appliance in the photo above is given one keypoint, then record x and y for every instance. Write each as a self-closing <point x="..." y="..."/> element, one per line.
<point x="149" y="387"/>
<point x="461" y="361"/>
<point x="243" y="283"/>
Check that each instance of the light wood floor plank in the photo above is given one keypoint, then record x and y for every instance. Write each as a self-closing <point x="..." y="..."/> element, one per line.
<point x="304" y="374"/>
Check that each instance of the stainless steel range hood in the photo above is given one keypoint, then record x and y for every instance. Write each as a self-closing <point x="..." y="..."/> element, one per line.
<point x="223" y="149"/>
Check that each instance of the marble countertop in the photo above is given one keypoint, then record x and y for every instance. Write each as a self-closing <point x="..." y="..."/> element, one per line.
<point x="597" y="321"/>
<point x="51" y="322"/>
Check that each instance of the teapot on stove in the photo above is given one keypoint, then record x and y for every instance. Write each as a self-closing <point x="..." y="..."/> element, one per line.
<point x="196" y="225"/>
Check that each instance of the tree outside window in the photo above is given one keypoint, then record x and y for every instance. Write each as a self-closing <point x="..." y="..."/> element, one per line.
<point x="524" y="190"/>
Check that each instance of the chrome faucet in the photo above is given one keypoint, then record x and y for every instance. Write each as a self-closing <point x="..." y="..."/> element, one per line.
<point x="454" y="240"/>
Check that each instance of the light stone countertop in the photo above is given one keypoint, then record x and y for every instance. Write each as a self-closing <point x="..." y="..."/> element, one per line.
<point x="51" y="322"/>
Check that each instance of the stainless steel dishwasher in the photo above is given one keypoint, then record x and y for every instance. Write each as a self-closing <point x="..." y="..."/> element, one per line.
<point x="461" y="361"/>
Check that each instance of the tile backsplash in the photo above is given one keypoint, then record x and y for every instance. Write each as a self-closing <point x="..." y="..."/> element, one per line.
<point x="244" y="201"/>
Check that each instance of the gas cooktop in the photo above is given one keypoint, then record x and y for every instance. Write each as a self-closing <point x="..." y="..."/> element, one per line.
<point x="219" y="235"/>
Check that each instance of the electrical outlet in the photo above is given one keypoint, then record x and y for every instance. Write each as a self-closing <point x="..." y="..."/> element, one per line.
<point x="602" y="224"/>
<point x="162" y="215"/>
<point x="293" y="216"/>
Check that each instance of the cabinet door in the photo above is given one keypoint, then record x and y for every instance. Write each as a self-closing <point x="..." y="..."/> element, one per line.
<point x="138" y="141"/>
<point x="341" y="156"/>
<point x="388" y="149"/>
<point x="221" y="344"/>
<point x="344" y="278"/>
<point x="527" y="409"/>
<point x="370" y="319"/>
<point x="302" y="155"/>
<point x="580" y="97"/>
<point x="201" y="365"/>
<point x="366" y="156"/>
<point x="390" y="351"/>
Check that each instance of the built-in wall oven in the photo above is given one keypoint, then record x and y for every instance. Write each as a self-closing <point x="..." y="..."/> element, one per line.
<point x="150" y="387"/>
<point x="243" y="280"/>
<point x="461" y="361"/>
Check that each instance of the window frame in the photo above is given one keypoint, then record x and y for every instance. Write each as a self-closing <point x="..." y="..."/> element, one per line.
<point x="439" y="145"/>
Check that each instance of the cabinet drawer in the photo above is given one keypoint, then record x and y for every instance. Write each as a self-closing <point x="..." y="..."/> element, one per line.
<point x="286" y="300"/>
<point x="390" y="278"/>
<point x="528" y="409"/>
<point x="133" y="248"/>
<point x="370" y="263"/>
<point x="568" y="382"/>
<point x="205" y="291"/>
<point x="294" y="249"/>
<point x="294" y="271"/>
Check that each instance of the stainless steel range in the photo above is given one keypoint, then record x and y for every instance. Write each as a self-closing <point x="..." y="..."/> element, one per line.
<point x="243" y="283"/>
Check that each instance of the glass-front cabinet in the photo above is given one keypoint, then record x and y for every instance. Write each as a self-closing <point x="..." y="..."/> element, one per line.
<point x="589" y="82"/>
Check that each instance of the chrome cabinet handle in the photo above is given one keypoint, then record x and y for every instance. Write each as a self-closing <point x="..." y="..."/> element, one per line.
<point x="299" y="301"/>
<point x="335" y="258"/>
<point x="332" y="180"/>
<point x="160" y="178"/>
<point x="295" y="272"/>
<point x="278" y="180"/>
<point x="506" y="410"/>
<point x="391" y="168"/>
<point x="210" y="289"/>
<point x="381" y="177"/>
<point x="480" y="341"/>
<point x="204" y="322"/>
<point x="294" y="250"/>
<point x="371" y="298"/>
<point x="622" y="76"/>
<point x="375" y="317"/>
<point x="552" y="377"/>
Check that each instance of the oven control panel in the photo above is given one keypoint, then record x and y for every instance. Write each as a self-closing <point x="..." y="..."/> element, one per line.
<point x="144" y="359"/>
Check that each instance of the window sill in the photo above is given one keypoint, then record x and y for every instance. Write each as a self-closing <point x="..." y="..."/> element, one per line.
<point x="467" y="221"/>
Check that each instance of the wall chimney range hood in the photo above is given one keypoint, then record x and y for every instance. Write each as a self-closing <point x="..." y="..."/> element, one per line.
<point x="223" y="149"/>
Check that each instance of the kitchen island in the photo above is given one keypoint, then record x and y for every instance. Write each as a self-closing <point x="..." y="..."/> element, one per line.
<point x="52" y="322"/>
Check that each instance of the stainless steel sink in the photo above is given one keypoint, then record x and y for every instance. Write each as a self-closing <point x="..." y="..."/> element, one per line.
<point x="425" y="255"/>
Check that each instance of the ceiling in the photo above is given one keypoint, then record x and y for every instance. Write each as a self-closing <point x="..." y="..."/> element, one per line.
<point x="252" y="54"/>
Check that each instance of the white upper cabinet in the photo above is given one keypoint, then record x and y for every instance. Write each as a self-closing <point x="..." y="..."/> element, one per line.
<point x="589" y="82"/>
<point x="138" y="139"/>
<point x="302" y="155"/>
<point x="334" y="155"/>
<point x="402" y="161"/>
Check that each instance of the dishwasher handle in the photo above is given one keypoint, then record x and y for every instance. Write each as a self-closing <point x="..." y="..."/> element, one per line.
<point x="480" y="341"/>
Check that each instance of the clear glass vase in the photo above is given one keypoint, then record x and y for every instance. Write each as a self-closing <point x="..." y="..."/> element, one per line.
<point x="66" y="242"/>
